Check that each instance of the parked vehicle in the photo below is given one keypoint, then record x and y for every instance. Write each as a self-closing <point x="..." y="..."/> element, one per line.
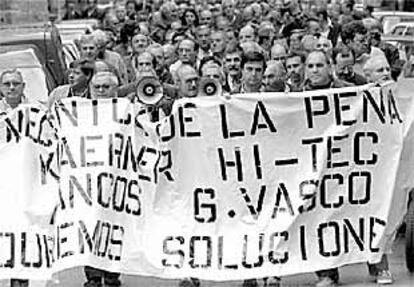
<point x="35" y="75"/>
<point x="389" y="19"/>
<point x="48" y="45"/>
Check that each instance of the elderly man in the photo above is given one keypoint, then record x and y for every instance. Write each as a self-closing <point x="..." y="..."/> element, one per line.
<point x="274" y="77"/>
<point x="203" y="38"/>
<point x="12" y="88"/>
<point x="377" y="70"/>
<point x="247" y="33"/>
<point x="187" y="81"/>
<point x="232" y="61"/>
<point x="102" y="86"/>
<point x="187" y="54"/>
<point x="278" y="53"/>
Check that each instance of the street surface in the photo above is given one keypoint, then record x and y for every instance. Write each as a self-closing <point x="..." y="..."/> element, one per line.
<point x="351" y="276"/>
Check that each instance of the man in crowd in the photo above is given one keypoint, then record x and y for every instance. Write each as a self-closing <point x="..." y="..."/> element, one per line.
<point x="253" y="65"/>
<point x="187" y="53"/>
<point x="344" y="61"/>
<point x="295" y="67"/>
<point x="274" y="77"/>
<point x="12" y="88"/>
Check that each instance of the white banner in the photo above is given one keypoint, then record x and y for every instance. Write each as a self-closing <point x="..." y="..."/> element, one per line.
<point x="226" y="189"/>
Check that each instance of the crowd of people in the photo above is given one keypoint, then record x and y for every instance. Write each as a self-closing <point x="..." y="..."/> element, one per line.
<point x="245" y="46"/>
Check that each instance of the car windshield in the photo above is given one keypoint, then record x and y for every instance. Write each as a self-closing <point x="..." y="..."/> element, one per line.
<point x="398" y="31"/>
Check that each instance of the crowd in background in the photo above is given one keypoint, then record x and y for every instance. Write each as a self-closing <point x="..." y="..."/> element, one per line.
<point x="244" y="46"/>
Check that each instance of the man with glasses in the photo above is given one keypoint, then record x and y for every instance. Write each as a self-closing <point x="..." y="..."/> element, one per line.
<point x="11" y="89"/>
<point x="11" y="96"/>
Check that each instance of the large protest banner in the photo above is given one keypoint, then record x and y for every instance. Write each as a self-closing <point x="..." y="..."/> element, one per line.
<point x="224" y="189"/>
<point x="230" y="189"/>
<point x="27" y="192"/>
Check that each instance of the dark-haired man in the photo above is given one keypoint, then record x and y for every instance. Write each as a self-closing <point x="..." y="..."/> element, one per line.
<point x="295" y="68"/>
<point x="253" y="65"/>
<point x="344" y="61"/>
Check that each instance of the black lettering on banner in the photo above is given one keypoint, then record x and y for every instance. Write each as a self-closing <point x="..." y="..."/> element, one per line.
<point x="84" y="236"/>
<point x="257" y="161"/>
<point x="165" y="165"/>
<point x="171" y="125"/>
<point x="260" y="109"/>
<point x="85" y="193"/>
<point x="225" y="126"/>
<point x="175" y="252"/>
<point x="314" y="150"/>
<point x="260" y="258"/>
<point x="357" y="148"/>
<point x="366" y="177"/>
<point x="66" y="151"/>
<point x="340" y="107"/>
<point x="72" y="117"/>
<point x="307" y="191"/>
<point x="115" y="118"/>
<point x="30" y="124"/>
<point x="11" y="238"/>
<point x="138" y="123"/>
<point x="142" y="162"/>
<point x="115" y="150"/>
<point x="133" y="194"/>
<point x="302" y="240"/>
<point x="95" y="111"/>
<point x="129" y="156"/>
<point x="48" y="242"/>
<point x="102" y="242"/>
<point x="220" y="246"/>
<point x="61" y="240"/>
<point x="373" y="224"/>
<point x="322" y="229"/>
<point x="45" y="168"/>
<point x="120" y="188"/>
<point x="358" y="238"/>
<point x="210" y="208"/>
<point x="311" y="112"/>
<point x="331" y="150"/>
<point x="325" y="191"/>
<point x="11" y="131"/>
<point x="274" y="256"/>
<point x="186" y="119"/>
<point x="101" y="179"/>
<point x="282" y="191"/>
<point x="254" y="210"/>
<point x="116" y="241"/>
<point x="24" y="250"/>
<point x="209" y="253"/>
<point x="379" y="109"/>
<point x="392" y="108"/>
<point x="44" y="120"/>
<point x="237" y="163"/>
<point x="84" y="151"/>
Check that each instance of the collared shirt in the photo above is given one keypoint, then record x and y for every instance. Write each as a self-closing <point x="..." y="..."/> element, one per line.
<point x="361" y="60"/>
<point x="6" y="108"/>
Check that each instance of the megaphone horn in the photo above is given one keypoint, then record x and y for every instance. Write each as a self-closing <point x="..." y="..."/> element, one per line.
<point x="210" y="87"/>
<point x="149" y="90"/>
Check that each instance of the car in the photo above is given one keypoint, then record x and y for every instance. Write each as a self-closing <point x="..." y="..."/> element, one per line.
<point x="403" y="29"/>
<point x="389" y="19"/>
<point x="46" y="39"/>
<point x="35" y="75"/>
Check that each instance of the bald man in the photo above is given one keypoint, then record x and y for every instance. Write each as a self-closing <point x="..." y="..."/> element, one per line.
<point x="278" y="53"/>
<point x="377" y="70"/>
<point x="274" y="77"/>
<point x="187" y="81"/>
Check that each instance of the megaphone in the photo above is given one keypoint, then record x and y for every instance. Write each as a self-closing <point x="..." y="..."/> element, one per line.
<point x="209" y="87"/>
<point x="149" y="90"/>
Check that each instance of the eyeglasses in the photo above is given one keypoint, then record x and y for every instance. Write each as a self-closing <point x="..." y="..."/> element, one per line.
<point x="104" y="86"/>
<point x="9" y="84"/>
